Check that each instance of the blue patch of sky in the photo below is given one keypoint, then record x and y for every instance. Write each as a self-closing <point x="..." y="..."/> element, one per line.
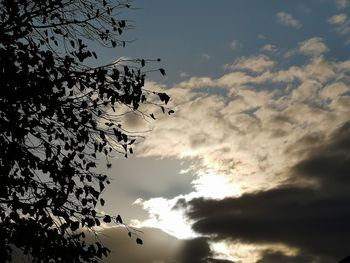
<point x="180" y="32"/>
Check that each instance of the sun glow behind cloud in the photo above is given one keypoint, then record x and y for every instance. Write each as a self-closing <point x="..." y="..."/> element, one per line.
<point x="245" y="140"/>
<point x="162" y="215"/>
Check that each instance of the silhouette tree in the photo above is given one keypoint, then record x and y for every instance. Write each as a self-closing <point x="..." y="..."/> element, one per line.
<point x="57" y="116"/>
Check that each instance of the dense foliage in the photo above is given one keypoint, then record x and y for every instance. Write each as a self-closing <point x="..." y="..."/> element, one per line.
<point x="56" y="118"/>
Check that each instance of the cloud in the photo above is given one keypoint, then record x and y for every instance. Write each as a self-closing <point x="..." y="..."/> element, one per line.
<point x="338" y="19"/>
<point x="269" y="48"/>
<point x="288" y="20"/>
<point x="341" y="24"/>
<point x="252" y="116"/>
<point x="254" y="63"/>
<point x="205" y="56"/>
<point x="329" y="164"/>
<point x="247" y="133"/>
<point x="342" y="3"/>
<point x="313" y="47"/>
<point x="334" y="90"/>
<point x="317" y="69"/>
<point x="305" y="217"/>
<point x="163" y="215"/>
<point x="277" y="257"/>
<point x="195" y="251"/>
<point x="235" y="44"/>
<point x="183" y="75"/>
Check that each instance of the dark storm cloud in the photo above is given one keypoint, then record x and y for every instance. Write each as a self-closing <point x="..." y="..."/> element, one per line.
<point x="330" y="164"/>
<point x="278" y="257"/>
<point x="195" y="251"/>
<point x="315" y="220"/>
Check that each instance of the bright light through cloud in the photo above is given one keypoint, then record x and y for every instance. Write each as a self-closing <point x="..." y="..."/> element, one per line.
<point x="214" y="186"/>
<point x="162" y="215"/>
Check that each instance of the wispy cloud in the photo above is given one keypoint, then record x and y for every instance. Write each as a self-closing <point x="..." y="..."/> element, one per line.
<point x="205" y="56"/>
<point x="261" y="36"/>
<point x="341" y="25"/>
<point x="235" y="44"/>
<point x="183" y="75"/>
<point x="341" y="4"/>
<point x="269" y="48"/>
<point x="288" y="20"/>
<point x="254" y="63"/>
<point x="338" y="19"/>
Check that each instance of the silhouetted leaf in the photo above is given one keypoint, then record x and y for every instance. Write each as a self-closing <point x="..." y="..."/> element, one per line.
<point x="74" y="225"/>
<point x="162" y="71"/>
<point x="107" y="219"/>
<point x="164" y="97"/>
<point x="119" y="219"/>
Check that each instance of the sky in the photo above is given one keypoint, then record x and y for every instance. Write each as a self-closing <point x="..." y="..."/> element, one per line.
<point x="254" y="164"/>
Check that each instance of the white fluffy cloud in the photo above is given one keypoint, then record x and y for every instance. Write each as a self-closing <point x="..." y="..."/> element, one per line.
<point x="254" y="63"/>
<point x="338" y="19"/>
<point x="288" y="20"/>
<point x="313" y="47"/>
